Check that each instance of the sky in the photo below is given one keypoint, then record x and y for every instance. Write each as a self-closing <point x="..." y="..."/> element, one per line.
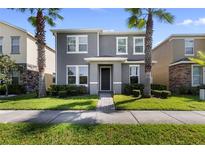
<point x="186" y="21"/>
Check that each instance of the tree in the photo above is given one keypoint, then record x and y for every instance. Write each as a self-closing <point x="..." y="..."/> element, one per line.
<point x="143" y="18"/>
<point x="39" y="17"/>
<point x="7" y="65"/>
<point x="200" y="59"/>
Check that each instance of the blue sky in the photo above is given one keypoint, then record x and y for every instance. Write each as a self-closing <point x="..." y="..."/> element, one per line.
<point x="186" y="21"/>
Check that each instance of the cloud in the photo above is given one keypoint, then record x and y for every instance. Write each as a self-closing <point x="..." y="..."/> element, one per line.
<point x="98" y="9"/>
<point x="198" y="22"/>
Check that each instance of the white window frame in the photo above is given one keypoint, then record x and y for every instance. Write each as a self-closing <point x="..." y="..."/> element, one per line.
<point x="19" y="38"/>
<point x="1" y="44"/>
<point x="77" y="82"/>
<point x="77" y="44"/>
<point x="137" y="53"/>
<point x="188" y="39"/>
<point x="192" y="75"/>
<point x="126" y="39"/>
<point x="138" y="72"/>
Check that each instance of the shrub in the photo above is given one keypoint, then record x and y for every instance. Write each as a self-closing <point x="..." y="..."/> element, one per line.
<point x="156" y="93"/>
<point x="62" y="94"/>
<point x="186" y="90"/>
<point x="158" y="87"/>
<point x="165" y="93"/>
<point x="137" y="93"/>
<point x="128" y="88"/>
<point x="71" y="90"/>
<point x="13" y="89"/>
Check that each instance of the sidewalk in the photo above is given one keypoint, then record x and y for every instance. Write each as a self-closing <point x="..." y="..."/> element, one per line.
<point x="92" y="117"/>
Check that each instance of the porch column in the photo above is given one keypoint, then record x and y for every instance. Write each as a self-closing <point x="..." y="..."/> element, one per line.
<point x="117" y="78"/>
<point x="93" y="73"/>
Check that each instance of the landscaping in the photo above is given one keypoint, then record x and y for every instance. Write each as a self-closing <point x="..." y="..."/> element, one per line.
<point x="23" y="133"/>
<point x="181" y="102"/>
<point x="32" y="102"/>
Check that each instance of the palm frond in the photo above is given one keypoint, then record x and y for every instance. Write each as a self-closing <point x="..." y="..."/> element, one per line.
<point x="200" y="59"/>
<point x="164" y="16"/>
<point x="32" y="20"/>
<point x="49" y="21"/>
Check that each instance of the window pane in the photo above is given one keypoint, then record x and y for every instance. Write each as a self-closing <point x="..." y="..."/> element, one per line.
<point x="71" y="79"/>
<point x="139" y="49"/>
<point x="15" y="80"/>
<point x="83" y="80"/>
<point x="83" y="40"/>
<point x="15" y="41"/>
<point x="139" y="42"/>
<point x="121" y="41"/>
<point x="15" y="49"/>
<point x="71" y="71"/>
<point x="71" y="40"/>
<point x="82" y="47"/>
<point x="189" y="43"/>
<point x="71" y="48"/>
<point x="133" y="79"/>
<point x="83" y="71"/>
<point x="122" y="49"/>
<point x="134" y="71"/>
<point x="196" y="70"/>
<point x="189" y="50"/>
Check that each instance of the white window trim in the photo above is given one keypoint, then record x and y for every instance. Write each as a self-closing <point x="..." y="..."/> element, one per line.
<point x="117" y="38"/>
<point x="192" y="73"/>
<point x="137" y="72"/>
<point x="185" y="47"/>
<point x="77" y="44"/>
<point x="134" y="53"/>
<point x="19" y="37"/>
<point x="77" y="82"/>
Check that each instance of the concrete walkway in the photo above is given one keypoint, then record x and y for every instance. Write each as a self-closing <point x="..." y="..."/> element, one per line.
<point x="105" y="103"/>
<point x="92" y="117"/>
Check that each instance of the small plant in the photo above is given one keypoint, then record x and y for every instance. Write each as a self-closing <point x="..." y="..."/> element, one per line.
<point x="62" y="94"/>
<point x="165" y="94"/>
<point x="137" y="93"/>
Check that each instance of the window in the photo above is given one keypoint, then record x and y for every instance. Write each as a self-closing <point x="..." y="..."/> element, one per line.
<point x="121" y="45"/>
<point x="77" y="44"/>
<point x="189" y="47"/>
<point x="54" y="78"/>
<point x="197" y="74"/>
<point x="138" y="45"/>
<point x="15" y="44"/>
<point x="1" y="45"/>
<point x="15" y="77"/>
<point x="134" y="74"/>
<point x="77" y="75"/>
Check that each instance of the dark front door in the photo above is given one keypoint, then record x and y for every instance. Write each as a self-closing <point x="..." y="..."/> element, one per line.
<point x="105" y="79"/>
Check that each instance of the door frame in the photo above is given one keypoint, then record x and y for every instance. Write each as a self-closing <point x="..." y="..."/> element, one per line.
<point x="101" y="78"/>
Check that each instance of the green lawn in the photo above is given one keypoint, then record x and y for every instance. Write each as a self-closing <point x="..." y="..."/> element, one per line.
<point x="22" y="133"/>
<point x="172" y="103"/>
<point x="30" y="101"/>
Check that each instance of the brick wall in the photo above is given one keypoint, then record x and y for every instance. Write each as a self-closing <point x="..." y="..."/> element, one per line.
<point x="179" y="75"/>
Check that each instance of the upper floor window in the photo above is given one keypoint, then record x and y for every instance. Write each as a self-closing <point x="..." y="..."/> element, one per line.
<point x="77" y="44"/>
<point x="15" y="44"/>
<point x="1" y="45"/>
<point x="134" y="74"/>
<point x="121" y="45"/>
<point x="189" y="47"/>
<point x="77" y="75"/>
<point x="138" y="45"/>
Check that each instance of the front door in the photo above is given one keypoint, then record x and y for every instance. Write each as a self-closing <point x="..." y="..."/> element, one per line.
<point x="105" y="78"/>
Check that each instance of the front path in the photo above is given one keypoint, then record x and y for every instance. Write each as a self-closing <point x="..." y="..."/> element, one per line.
<point x="91" y="117"/>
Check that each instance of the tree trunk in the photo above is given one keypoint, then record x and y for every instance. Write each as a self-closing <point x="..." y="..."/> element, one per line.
<point x="40" y="35"/>
<point x="148" y="54"/>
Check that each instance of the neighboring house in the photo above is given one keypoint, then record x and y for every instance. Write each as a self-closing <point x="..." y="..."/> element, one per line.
<point x="21" y="47"/>
<point x="100" y="60"/>
<point x="174" y="68"/>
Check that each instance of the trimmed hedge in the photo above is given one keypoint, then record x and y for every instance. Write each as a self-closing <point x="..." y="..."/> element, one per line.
<point x="161" y="93"/>
<point x="13" y="89"/>
<point x="158" y="87"/>
<point x="137" y="93"/>
<point x="67" y="90"/>
<point x="185" y="90"/>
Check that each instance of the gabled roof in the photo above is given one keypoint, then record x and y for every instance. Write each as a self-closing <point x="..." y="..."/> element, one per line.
<point x="23" y="30"/>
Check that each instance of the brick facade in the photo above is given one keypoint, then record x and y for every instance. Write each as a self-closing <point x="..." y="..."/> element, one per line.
<point x="179" y="75"/>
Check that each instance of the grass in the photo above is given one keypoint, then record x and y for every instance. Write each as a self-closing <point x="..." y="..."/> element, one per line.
<point x="22" y="133"/>
<point x="172" y="103"/>
<point x="31" y="102"/>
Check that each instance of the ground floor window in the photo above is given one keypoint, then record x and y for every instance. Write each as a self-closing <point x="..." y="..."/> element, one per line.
<point x="77" y="74"/>
<point x="197" y="74"/>
<point x="134" y="74"/>
<point x="15" y="77"/>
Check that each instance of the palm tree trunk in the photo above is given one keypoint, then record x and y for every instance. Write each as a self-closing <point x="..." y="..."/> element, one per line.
<point x="148" y="55"/>
<point x="40" y="35"/>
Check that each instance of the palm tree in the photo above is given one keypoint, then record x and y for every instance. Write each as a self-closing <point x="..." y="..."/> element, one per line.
<point x="200" y="59"/>
<point x="39" y="17"/>
<point x="143" y="18"/>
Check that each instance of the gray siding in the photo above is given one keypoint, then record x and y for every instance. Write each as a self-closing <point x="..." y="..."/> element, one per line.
<point x="64" y="59"/>
<point x="107" y="46"/>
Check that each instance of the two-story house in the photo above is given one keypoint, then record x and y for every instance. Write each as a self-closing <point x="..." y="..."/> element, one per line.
<point x="21" y="46"/>
<point x="174" y="68"/>
<point x="100" y="60"/>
